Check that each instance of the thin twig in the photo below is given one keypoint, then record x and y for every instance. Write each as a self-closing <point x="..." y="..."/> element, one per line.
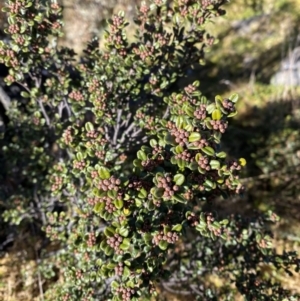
<point x="68" y="108"/>
<point x="44" y="112"/>
<point x="5" y="99"/>
<point x="117" y="126"/>
<point x="166" y="114"/>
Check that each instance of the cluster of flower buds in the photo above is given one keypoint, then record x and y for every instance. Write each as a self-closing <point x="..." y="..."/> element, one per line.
<point x="170" y="237"/>
<point x="219" y="125"/>
<point x="109" y="184"/>
<point x="201" y="143"/>
<point x="67" y="135"/>
<point x="166" y="184"/>
<point x="119" y="269"/>
<point x="234" y="165"/>
<point x="193" y="219"/>
<point x="149" y="164"/>
<point x="115" y="242"/>
<point x="204" y="163"/>
<point x="200" y="113"/>
<point x="125" y="293"/>
<point x="185" y="156"/>
<point x="228" y="105"/>
<point x="76" y="95"/>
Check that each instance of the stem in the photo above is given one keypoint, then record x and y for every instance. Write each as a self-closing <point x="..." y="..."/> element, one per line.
<point x="44" y="113"/>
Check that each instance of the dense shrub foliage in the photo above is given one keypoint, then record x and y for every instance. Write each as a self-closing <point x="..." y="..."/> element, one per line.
<point x="120" y="166"/>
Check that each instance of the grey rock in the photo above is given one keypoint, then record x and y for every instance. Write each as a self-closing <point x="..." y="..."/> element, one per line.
<point x="289" y="72"/>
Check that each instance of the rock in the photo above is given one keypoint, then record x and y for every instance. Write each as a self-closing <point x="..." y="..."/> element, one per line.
<point x="289" y="72"/>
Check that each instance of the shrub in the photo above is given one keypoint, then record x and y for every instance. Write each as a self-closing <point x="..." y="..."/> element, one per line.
<point x="121" y="165"/>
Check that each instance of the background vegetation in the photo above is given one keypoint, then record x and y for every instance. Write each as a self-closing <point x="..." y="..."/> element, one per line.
<point x="256" y="38"/>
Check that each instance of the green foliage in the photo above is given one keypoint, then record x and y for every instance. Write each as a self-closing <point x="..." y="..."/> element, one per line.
<point x="117" y="163"/>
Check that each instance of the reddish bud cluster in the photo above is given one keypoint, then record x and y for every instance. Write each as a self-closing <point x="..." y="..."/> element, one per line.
<point x="109" y="206"/>
<point x="188" y="195"/>
<point x="219" y="125"/>
<point x="201" y="143"/>
<point x="109" y="184"/>
<point x="92" y="134"/>
<point x="206" y="3"/>
<point x="91" y="241"/>
<point x="143" y="54"/>
<point x="67" y="135"/>
<point x="170" y="237"/>
<point x="228" y="105"/>
<point x="189" y="89"/>
<point x="13" y="28"/>
<point x="15" y="7"/>
<point x="115" y="242"/>
<point x="76" y="95"/>
<point x="185" y="156"/>
<point x="149" y="164"/>
<point x="119" y="269"/>
<point x="204" y="163"/>
<point x="136" y="183"/>
<point x="200" y="113"/>
<point x="58" y="181"/>
<point x="100" y="154"/>
<point x="125" y="293"/>
<point x="234" y="165"/>
<point x="166" y="183"/>
<point x="193" y="219"/>
<point x="237" y="189"/>
<point x="79" y="164"/>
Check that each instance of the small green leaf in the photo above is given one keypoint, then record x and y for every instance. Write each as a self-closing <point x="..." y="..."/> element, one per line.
<point x="126" y="273"/>
<point x="109" y="231"/>
<point x="169" y="139"/>
<point x="177" y="228"/>
<point x="79" y="156"/>
<point x="123" y="232"/>
<point x="25" y="94"/>
<point x="153" y="142"/>
<point x="218" y="98"/>
<point x="179" y="179"/>
<point x="89" y="126"/>
<point x="178" y="149"/>
<point x="208" y="151"/>
<point x="216" y="114"/>
<point x="111" y="265"/>
<point x="221" y="155"/>
<point x="163" y="245"/>
<point x="141" y="155"/>
<point x="147" y="239"/>
<point x="179" y="198"/>
<point x="214" y="164"/>
<point x="210" y="108"/>
<point x="114" y="284"/>
<point x="125" y="244"/>
<point x="142" y="193"/>
<point x="108" y="251"/>
<point x="234" y="97"/>
<point x="104" y="173"/>
<point x="157" y="192"/>
<point x="99" y="207"/>
<point x="224" y="222"/>
<point x="103" y="245"/>
<point x="119" y="204"/>
<point x="194" y="137"/>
